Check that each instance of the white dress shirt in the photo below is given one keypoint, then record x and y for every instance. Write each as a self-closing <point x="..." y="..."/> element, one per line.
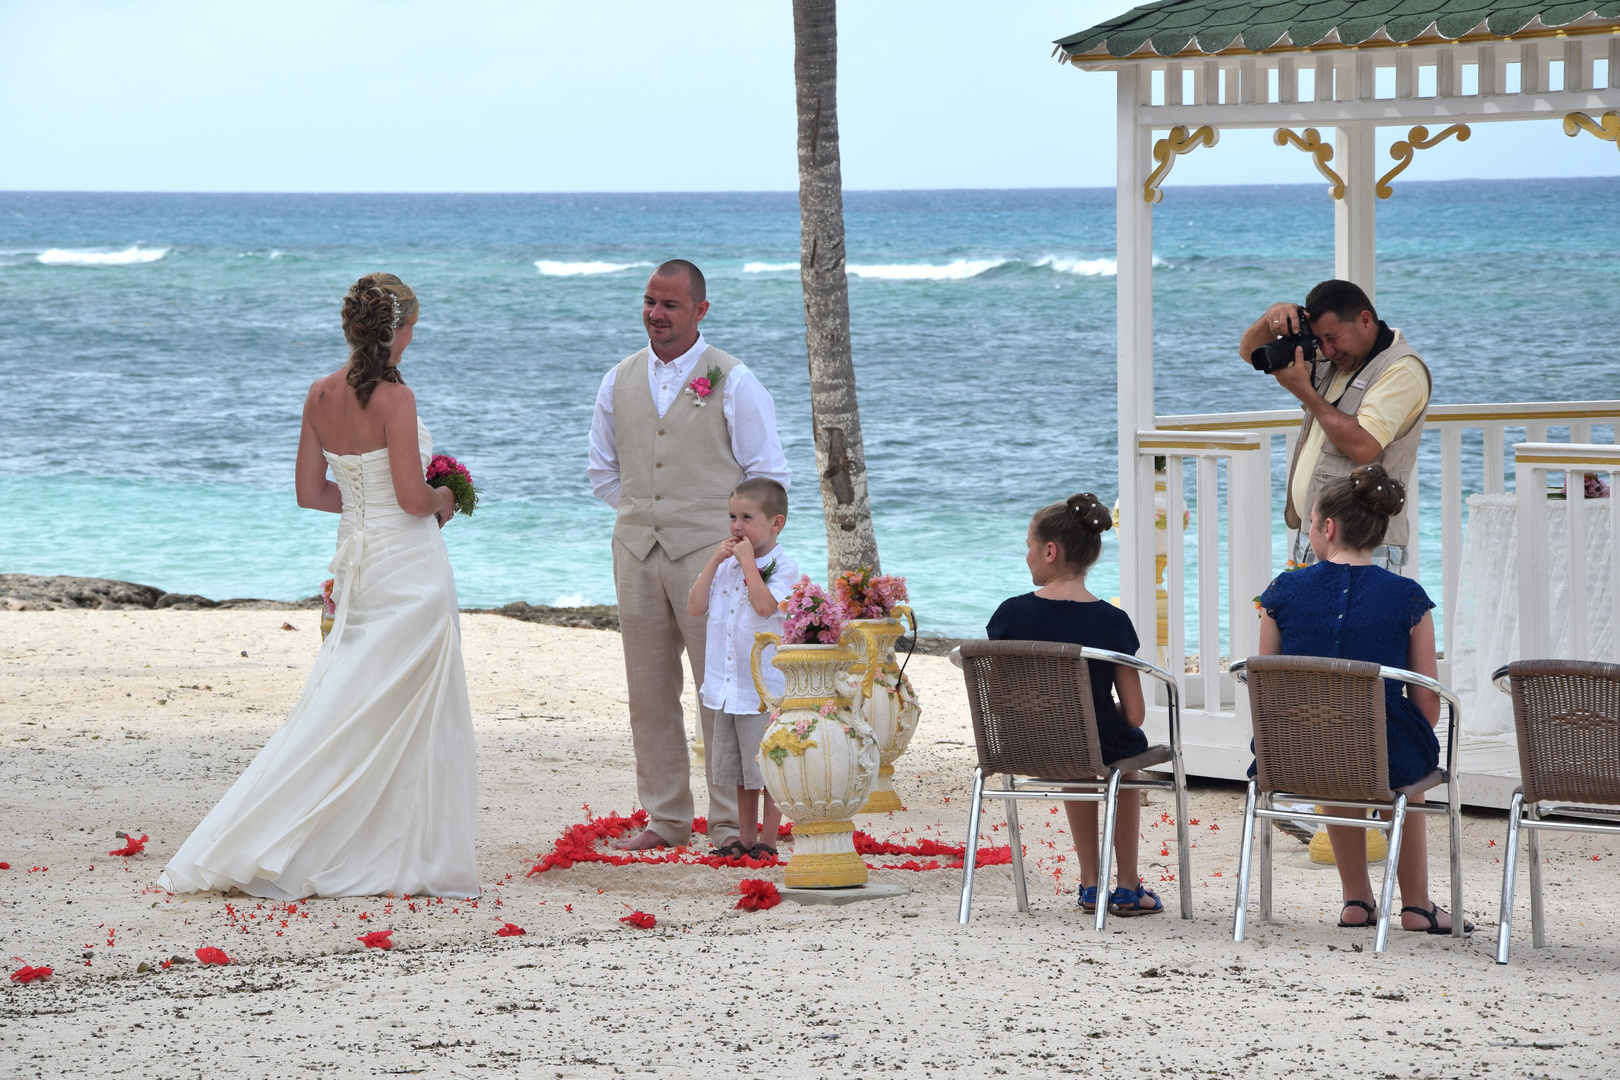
<point x="728" y="680"/>
<point x="746" y="404"/>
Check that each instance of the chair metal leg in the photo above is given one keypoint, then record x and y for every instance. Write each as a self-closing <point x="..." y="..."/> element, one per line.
<point x="1397" y="827"/>
<point x="1105" y="856"/>
<point x="970" y="851"/>
<point x="1538" y="923"/>
<point x="1183" y="845"/>
<point x="1454" y="812"/>
<point x="1510" y="873"/>
<point x="1015" y="839"/>
<point x="1245" y="860"/>
<point x="1265" y="829"/>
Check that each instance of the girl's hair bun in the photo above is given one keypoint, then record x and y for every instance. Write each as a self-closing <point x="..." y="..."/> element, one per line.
<point x="1089" y="511"/>
<point x="1375" y="490"/>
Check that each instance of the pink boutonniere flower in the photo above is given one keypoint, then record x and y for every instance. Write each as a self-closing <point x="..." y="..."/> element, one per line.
<point x="703" y="386"/>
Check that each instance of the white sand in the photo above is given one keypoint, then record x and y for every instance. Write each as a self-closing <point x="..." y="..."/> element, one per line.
<point x="140" y="720"/>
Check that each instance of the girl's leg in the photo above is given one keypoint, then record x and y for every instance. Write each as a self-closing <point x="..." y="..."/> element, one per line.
<point x="1127" y="834"/>
<point x="1083" y="832"/>
<point x="1350" y="855"/>
<point x="773" y="820"/>
<point x="747" y="816"/>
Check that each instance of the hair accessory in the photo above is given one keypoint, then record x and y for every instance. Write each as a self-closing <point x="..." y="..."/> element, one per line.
<point x="397" y="313"/>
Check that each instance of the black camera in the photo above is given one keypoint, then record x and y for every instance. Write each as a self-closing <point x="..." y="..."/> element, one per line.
<point x="1276" y="355"/>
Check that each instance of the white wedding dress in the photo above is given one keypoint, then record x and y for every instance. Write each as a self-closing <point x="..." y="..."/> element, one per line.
<point x="370" y="786"/>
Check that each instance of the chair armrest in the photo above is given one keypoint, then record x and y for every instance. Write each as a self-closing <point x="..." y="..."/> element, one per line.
<point x="1500" y="678"/>
<point x="1239" y="670"/>
<point x="956" y="655"/>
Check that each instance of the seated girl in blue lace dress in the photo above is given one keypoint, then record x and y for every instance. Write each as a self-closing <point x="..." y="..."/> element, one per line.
<point x="1064" y="541"/>
<point x="1343" y="606"/>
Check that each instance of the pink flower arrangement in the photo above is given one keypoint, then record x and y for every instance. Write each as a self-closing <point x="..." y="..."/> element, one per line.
<point x="327" y="603"/>
<point x="865" y="595"/>
<point x="813" y="618"/>
<point x="702" y="386"/>
<point x="446" y="471"/>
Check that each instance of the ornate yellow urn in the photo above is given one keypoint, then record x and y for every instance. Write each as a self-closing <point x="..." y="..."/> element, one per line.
<point x="819" y="759"/>
<point x="888" y="704"/>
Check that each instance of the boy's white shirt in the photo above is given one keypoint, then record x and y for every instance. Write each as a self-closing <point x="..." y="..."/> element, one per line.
<point x="728" y="683"/>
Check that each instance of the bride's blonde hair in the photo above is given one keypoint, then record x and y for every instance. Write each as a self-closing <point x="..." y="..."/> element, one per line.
<point x="376" y="306"/>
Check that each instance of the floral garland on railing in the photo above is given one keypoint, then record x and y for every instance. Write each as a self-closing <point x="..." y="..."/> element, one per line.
<point x="582" y="843"/>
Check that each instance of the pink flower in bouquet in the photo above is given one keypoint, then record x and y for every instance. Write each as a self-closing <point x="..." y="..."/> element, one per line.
<point x="865" y="595"/>
<point x="701" y="387"/>
<point x="1595" y="487"/>
<point x="326" y="597"/>
<point x="812" y="617"/>
<point x="445" y="471"/>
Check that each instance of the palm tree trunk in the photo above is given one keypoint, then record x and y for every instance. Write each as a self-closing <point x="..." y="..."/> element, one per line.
<point x="834" y="412"/>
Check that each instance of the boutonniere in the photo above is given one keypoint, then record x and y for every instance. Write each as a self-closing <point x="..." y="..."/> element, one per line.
<point x="765" y="572"/>
<point x="702" y="386"/>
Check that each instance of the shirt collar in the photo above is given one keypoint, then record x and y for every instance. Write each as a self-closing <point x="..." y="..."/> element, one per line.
<point x="686" y="359"/>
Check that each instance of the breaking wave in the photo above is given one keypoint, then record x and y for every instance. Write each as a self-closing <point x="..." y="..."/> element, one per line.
<point x="75" y="257"/>
<point x="552" y="268"/>
<point x="956" y="270"/>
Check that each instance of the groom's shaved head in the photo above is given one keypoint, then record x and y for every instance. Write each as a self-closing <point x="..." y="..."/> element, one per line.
<point x="694" y="277"/>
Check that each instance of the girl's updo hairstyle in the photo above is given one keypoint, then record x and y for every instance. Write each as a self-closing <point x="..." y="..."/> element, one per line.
<point x="1362" y="503"/>
<point x="376" y="306"/>
<point x="1076" y="526"/>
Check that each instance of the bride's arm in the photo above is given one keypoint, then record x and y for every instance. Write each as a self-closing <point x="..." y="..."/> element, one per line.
<point x="315" y="491"/>
<point x="398" y="406"/>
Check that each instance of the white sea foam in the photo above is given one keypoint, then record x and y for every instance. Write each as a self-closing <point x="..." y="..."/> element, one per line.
<point x="569" y="600"/>
<point x="956" y="270"/>
<point x="127" y="257"/>
<point x="1081" y="267"/>
<point x="551" y="268"/>
<point x="768" y="268"/>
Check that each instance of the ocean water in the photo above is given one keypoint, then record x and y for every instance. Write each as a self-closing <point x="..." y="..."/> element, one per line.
<point x="156" y="349"/>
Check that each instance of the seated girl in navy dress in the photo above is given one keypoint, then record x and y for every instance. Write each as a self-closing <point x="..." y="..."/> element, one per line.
<point x="1064" y="541"/>
<point x="1342" y="606"/>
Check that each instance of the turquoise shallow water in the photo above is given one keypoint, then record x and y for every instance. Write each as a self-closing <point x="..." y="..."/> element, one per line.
<point x="156" y="349"/>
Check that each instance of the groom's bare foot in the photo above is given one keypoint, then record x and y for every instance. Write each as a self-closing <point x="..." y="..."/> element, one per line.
<point x="640" y="842"/>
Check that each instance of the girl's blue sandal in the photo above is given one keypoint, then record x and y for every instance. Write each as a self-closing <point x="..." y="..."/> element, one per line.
<point x="1088" y="898"/>
<point x="1128" y="902"/>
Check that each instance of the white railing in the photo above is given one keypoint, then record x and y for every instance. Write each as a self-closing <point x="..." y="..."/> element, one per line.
<point x="1538" y="595"/>
<point x="1255" y="497"/>
<point x="1215" y="718"/>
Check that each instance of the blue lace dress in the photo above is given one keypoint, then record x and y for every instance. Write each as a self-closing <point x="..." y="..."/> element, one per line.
<point x="1360" y="613"/>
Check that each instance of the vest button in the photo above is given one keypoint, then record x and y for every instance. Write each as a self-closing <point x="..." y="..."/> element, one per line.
<point x="658" y="528"/>
<point x="660" y="431"/>
<point x="660" y="465"/>
<point x="658" y="498"/>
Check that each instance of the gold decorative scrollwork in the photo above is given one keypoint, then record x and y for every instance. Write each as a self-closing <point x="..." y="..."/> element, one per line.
<point x="1416" y="139"/>
<point x="1322" y="152"/>
<point x="1165" y="152"/>
<point x="1606" y="127"/>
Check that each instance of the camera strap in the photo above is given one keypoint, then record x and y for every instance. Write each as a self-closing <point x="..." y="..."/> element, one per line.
<point x="1353" y="376"/>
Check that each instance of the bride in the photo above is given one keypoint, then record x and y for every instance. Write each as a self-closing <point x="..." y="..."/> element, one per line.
<point x="370" y="785"/>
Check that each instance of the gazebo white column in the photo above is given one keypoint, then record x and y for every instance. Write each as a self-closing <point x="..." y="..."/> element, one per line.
<point x="1355" y="230"/>
<point x="1134" y="280"/>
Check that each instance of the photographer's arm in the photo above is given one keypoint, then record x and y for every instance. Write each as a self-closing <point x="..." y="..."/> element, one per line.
<point x="1342" y="429"/>
<point x="1278" y="320"/>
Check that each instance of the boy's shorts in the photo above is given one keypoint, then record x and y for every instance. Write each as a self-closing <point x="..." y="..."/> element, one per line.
<point x="736" y="749"/>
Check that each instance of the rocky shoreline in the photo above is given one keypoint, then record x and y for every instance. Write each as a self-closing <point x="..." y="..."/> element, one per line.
<point x="28" y="592"/>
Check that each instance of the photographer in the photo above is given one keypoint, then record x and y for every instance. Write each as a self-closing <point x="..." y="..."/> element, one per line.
<point x="1365" y="404"/>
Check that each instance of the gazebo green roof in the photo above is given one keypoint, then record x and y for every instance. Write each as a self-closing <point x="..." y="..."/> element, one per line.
<point x="1206" y="27"/>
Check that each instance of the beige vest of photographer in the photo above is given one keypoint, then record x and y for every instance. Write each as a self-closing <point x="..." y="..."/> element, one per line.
<point x="676" y="471"/>
<point x="1398" y="458"/>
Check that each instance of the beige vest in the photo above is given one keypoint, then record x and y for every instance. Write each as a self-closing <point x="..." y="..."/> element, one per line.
<point x="1398" y="458"/>
<point x="676" y="472"/>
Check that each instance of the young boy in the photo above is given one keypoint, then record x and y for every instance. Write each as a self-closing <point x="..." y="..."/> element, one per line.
<point x="740" y="590"/>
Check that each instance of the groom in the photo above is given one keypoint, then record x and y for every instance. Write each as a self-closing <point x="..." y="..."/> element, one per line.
<point x="677" y="426"/>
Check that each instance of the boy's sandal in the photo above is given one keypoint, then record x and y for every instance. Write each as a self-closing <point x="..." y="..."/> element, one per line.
<point x="1088" y="898"/>
<point x="1122" y="896"/>
<point x="1434" y="927"/>
<point x="1372" y="914"/>
<point x="733" y="849"/>
<point x="761" y="851"/>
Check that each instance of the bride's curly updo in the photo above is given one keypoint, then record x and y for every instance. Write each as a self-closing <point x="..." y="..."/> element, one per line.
<point x="1362" y="503"/>
<point x="1076" y="526"/>
<point x="376" y="306"/>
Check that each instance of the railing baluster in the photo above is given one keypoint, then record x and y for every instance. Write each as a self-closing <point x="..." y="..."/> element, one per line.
<point x="1450" y="529"/>
<point x="1575" y="541"/>
<point x="1175" y="578"/>
<point x="1209" y="582"/>
<point x="1495" y="465"/>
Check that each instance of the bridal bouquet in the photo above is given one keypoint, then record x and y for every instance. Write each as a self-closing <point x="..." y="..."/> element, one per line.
<point x="446" y="471"/>
<point x="813" y="618"/>
<point x="865" y="595"/>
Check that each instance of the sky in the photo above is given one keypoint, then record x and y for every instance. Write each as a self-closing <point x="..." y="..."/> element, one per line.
<point x="615" y="95"/>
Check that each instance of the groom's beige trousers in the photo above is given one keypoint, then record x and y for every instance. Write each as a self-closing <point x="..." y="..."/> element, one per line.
<point x="655" y="629"/>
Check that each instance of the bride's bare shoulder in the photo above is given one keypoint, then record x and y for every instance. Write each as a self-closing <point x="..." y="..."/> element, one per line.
<point x="390" y="398"/>
<point x="326" y="386"/>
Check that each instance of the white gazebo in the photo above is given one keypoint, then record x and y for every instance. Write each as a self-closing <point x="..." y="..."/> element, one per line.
<point x="1188" y="69"/>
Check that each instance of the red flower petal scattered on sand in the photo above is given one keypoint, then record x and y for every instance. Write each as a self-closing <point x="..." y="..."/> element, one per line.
<point x="511" y="930"/>
<point x="377" y="939"/>
<point x="700" y="825"/>
<point x="757" y="895"/>
<point x="210" y="955"/>
<point x="26" y="974"/>
<point x="5" y="866"/>
<point x="131" y="846"/>
<point x="568" y="907"/>
<point x="641" y="919"/>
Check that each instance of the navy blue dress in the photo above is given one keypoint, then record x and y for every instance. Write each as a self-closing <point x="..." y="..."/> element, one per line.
<point x="1096" y="624"/>
<point x="1360" y="613"/>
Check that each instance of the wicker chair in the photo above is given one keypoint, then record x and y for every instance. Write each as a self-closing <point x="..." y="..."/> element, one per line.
<point x="1034" y="723"/>
<point x="1567" y="713"/>
<point x="1319" y="737"/>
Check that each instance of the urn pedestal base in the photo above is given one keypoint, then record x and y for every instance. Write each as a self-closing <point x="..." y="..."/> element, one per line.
<point x="883" y="798"/>
<point x="824" y="857"/>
